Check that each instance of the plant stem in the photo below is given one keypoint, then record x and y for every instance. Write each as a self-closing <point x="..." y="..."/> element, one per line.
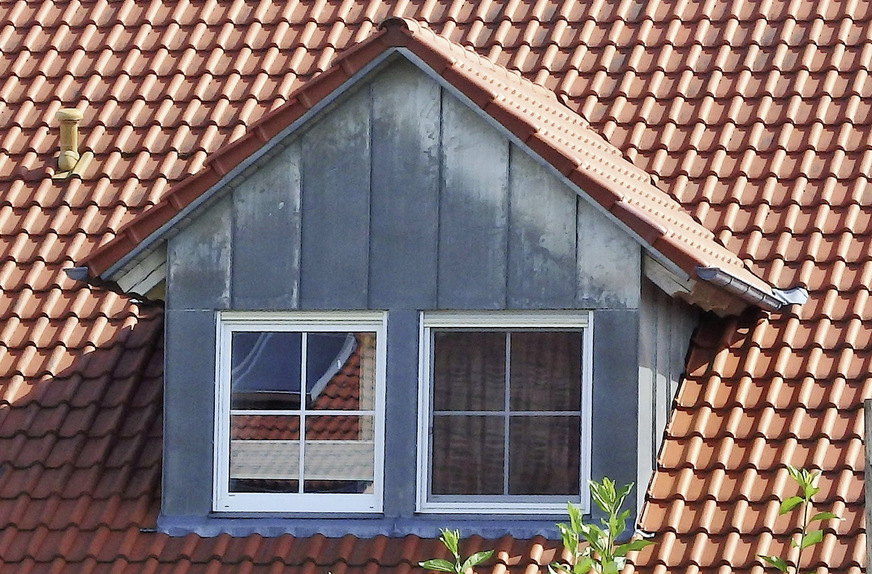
<point x="805" y="505"/>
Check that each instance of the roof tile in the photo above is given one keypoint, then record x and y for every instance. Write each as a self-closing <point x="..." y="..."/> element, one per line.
<point x="753" y="115"/>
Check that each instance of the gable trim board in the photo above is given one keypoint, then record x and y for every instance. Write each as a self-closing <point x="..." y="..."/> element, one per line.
<point x="558" y="137"/>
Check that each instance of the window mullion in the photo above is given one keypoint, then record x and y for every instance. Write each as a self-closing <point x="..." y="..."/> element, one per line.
<point x="304" y="347"/>
<point x="506" y="406"/>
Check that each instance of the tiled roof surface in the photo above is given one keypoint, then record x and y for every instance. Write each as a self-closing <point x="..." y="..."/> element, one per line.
<point x="755" y="116"/>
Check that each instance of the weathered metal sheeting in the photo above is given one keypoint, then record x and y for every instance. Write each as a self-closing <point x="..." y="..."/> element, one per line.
<point x="609" y="262"/>
<point x="335" y="206"/>
<point x="542" y="237"/>
<point x="473" y="212"/>
<point x="665" y="327"/>
<point x="266" y="272"/>
<point x="199" y="261"/>
<point x="189" y="412"/>
<point x="405" y="189"/>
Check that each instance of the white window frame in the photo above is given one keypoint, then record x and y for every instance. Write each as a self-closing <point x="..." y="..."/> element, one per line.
<point x="229" y="322"/>
<point x="498" y="320"/>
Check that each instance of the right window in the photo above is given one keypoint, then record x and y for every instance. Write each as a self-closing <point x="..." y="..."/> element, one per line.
<point x="505" y="411"/>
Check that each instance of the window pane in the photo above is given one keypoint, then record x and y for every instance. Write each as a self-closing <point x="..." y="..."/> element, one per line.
<point x="544" y="455"/>
<point x="265" y="370"/>
<point x="339" y="454"/>
<point x="469" y="371"/>
<point x="264" y="453"/>
<point x="467" y="455"/>
<point x="340" y="371"/>
<point x="545" y="371"/>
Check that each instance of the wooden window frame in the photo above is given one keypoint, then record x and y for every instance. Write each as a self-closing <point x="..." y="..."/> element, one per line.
<point x="500" y="320"/>
<point x="229" y="322"/>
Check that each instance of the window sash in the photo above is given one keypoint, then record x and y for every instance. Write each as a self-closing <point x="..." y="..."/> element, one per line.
<point x="499" y="321"/>
<point x="224" y="500"/>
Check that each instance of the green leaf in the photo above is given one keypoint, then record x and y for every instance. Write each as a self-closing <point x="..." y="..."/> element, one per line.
<point x="631" y="546"/>
<point x="476" y="559"/>
<point x="557" y="568"/>
<point x="825" y="516"/>
<point x="789" y="504"/>
<point x="438" y="565"/>
<point x="812" y="537"/>
<point x="775" y="561"/>
<point x="583" y="566"/>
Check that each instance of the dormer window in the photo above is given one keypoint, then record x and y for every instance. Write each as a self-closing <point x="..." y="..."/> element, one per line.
<point x="505" y="417"/>
<point x="300" y="402"/>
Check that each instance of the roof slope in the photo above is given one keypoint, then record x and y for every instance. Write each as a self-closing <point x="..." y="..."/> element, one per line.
<point x="530" y="112"/>
<point x="755" y="116"/>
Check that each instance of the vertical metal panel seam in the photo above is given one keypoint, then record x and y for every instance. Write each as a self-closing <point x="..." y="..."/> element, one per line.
<point x="577" y="254"/>
<point x="440" y="186"/>
<point x="301" y="174"/>
<point x="507" y="261"/>
<point x="233" y="199"/>
<point x="370" y="161"/>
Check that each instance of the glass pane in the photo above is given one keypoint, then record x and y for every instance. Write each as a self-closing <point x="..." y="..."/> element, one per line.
<point x="339" y="455"/>
<point x="544" y="455"/>
<point x="265" y="370"/>
<point x="469" y="371"/>
<point x="340" y="371"/>
<point x="546" y="371"/>
<point x="264" y="427"/>
<point x="467" y="455"/>
<point x="264" y="453"/>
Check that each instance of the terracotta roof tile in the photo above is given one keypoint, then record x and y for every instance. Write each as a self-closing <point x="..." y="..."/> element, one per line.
<point x="753" y="115"/>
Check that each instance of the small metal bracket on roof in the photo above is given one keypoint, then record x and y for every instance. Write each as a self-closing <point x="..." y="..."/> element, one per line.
<point x="792" y="296"/>
<point x="70" y="162"/>
<point x="773" y="302"/>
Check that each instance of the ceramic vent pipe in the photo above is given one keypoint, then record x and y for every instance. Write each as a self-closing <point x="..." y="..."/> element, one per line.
<point x="69" y="118"/>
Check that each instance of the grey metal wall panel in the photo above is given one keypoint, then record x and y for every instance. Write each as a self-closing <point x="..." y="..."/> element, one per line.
<point x="541" y="257"/>
<point x="402" y="404"/>
<point x="405" y="188"/>
<point x="199" y="260"/>
<point x="473" y="211"/>
<point x="335" y="208"/>
<point x="189" y="412"/>
<point x="609" y="262"/>
<point x="615" y="410"/>
<point x="266" y="235"/>
<point x="665" y="331"/>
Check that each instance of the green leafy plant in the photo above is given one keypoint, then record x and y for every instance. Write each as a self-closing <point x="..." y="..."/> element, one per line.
<point x="601" y="553"/>
<point x="451" y="540"/>
<point x="807" y="537"/>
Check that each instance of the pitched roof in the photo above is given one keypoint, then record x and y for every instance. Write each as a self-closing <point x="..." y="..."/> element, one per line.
<point x="754" y="116"/>
<point x="530" y="112"/>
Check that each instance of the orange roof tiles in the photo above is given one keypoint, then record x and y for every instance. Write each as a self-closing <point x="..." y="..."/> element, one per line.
<point x="756" y="117"/>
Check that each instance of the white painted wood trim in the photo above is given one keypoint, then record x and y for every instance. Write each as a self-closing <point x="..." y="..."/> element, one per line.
<point x="321" y="503"/>
<point x="500" y="320"/>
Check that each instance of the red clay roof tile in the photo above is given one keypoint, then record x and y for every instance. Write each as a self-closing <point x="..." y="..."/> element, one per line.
<point x="753" y="115"/>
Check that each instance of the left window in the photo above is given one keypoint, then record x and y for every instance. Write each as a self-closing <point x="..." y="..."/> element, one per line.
<point x="300" y="412"/>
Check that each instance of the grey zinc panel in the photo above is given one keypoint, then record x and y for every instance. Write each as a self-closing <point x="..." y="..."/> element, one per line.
<point x="402" y="403"/>
<point x="266" y="234"/>
<point x="615" y="410"/>
<point x="199" y="260"/>
<point x="189" y="399"/>
<point x="335" y="208"/>
<point x="609" y="262"/>
<point x="541" y="258"/>
<point x="473" y="211"/>
<point x="405" y="188"/>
